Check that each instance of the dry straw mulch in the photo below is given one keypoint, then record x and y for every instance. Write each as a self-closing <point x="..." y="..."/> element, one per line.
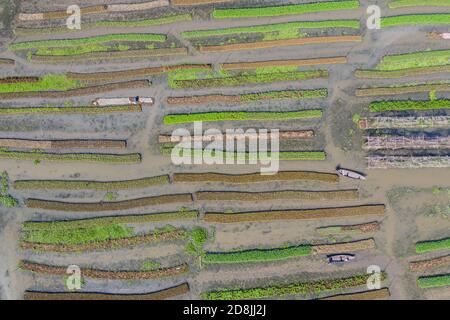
<point x="284" y="63"/>
<point x="430" y="263"/>
<point x="344" y="247"/>
<point x="158" y="295"/>
<point x="278" y="43"/>
<point x="111" y="55"/>
<point x="133" y="73"/>
<point x="62" y="144"/>
<point x="106" y="274"/>
<point x="255" y="177"/>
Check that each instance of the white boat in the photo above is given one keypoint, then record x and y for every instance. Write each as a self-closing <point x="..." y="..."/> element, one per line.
<point x="340" y="258"/>
<point x="351" y="174"/>
<point x="123" y="101"/>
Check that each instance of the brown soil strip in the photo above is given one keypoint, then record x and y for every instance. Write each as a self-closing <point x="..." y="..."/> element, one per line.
<point x="278" y="43"/>
<point x="276" y="195"/>
<point x="108" y="206"/>
<point x="7" y="61"/>
<point x="369" y="92"/>
<point x="19" y="79"/>
<point x="61" y="144"/>
<point x="158" y="295"/>
<point x="255" y="177"/>
<point x="430" y="264"/>
<point x="105" y="274"/>
<point x="364" y="227"/>
<point x="301" y="214"/>
<point x="106" y="245"/>
<point x="366" y="295"/>
<point x="284" y="63"/>
<point x="134" y="73"/>
<point x="97" y="56"/>
<point x="346" y="247"/>
<point x="137" y="84"/>
<point x="302" y="134"/>
<point x="196" y="2"/>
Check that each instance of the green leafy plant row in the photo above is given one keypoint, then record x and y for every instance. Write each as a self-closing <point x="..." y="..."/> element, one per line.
<point x="128" y="37"/>
<point x="278" y="27"/>
<point x="246" y="78"/>
<point x="90" y="185"/>
<point x="409" y="105"/>
<point x="257" y="255"/>
<point x="434" y="281"/>
<point x="303" y="288"/>
<point x="88" y="157"/>
<point x="427" y="246"/>
<point x="49" y="82"/>
<point x="285" y="10"/>
<point x="416" y="3"/>
<point x="415" y="60"/>
<point x="415" y="19"/>
<point x="240" y="116"/>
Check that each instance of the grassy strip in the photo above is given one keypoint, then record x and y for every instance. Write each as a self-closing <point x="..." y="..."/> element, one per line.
<point x="357" y="228"/>
<point x="301" y="214"/>
<point x="302" y="288"/>
<point x="434" y="281"/>
<point x="243" y="79"/>
<point x="414" y="60"/>
<point x="278" y="27"/>
<point x="284" y="10"/>
<point x="427" y="246"/>
<point x="78" y="236"/>
<point x="108" y="206"/>
<point x="112" y="220"/>
<point x="409" y="105"/>
<point x="416" y="19"/>
<point x="158" y="295"/>
<point x="245" y="156"/>
<point x="69" y="110"/>
<point x="257" y="255"/>
<point x="77" y="157"/>
<point x="415" y="3"/>
<point x="24" y="31"/>
<point x="255" y="177"/>
<point x="91" y="185"/>
<point x="132" y="37"/>
<point x="56" y="82"/>
<point x="377" y="74"/>
<point x="240" y="116"/>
